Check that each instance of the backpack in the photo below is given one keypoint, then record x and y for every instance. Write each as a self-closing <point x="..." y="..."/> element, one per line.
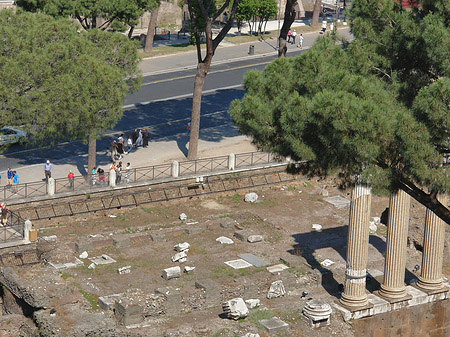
<point x="4" y="211"/>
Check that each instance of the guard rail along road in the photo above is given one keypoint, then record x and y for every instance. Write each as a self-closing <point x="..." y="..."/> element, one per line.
<point x="148" y="174"/>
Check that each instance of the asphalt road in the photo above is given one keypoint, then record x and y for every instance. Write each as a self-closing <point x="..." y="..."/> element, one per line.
<point x="163" y="104"/>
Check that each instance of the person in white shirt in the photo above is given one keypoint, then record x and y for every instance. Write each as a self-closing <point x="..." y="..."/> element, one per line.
<point x="300" y="41"/>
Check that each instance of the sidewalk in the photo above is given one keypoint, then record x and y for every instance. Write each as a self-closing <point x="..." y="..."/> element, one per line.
<point x="226" y="51"/>
<point x="158" y="152"/>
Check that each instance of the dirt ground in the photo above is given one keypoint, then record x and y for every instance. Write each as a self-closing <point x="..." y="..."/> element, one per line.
<point x="283" y="215"/>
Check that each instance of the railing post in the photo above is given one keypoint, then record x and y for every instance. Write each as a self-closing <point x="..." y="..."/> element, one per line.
<point x="51" y="186"/>
<point x="26" y="230"/>
<point x="231" y="161"/>
<point x="175" y="169"/>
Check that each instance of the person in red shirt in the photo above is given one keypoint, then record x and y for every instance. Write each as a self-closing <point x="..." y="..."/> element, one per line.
<point x="70" y="177"/>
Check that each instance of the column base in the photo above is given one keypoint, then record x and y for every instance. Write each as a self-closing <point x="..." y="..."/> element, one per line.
<point x="355" y="307"/>
<point x="429" y="290"/>
<point x="396" y="298"/>
<point x="353" y="302"/>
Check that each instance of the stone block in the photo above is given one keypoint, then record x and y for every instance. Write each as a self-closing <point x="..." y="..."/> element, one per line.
<point x="173" y="299"/>
<point x="121" y="241"/>
<point x="254" y="260"/>
<point x="255" y="238"/>
<point x="157" y="236"/>
<point x="212" y="292"/>
<point x="108" y="302"/>
<point x="243" y="234"/>
<point x="127" y="313"/>
<point x="83" y="246"/>
<point x="171" y="273"/>
<point x="274" y="325"/>
<point x="193" y="230"/>
<point x="227" y="223"/>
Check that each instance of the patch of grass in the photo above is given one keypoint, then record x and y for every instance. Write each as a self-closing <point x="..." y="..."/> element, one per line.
<point x="237" y="198"/>
<point x="122" y="218"/>
<point x="147" y="210"/>
<point x="228" y="272"/>
<point x="91" y="298"/>
<point x="65" y="276"/>
<point x="274" y="238"/>
<point x="222" y="332"/>
<point x="258" y="315"/>
<point x="165" y="50"/>
<point x="381" y="230"/>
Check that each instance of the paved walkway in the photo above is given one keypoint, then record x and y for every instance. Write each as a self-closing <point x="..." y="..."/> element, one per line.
<point x="174" y="148"/>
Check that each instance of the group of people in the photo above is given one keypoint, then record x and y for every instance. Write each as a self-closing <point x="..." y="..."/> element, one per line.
<point x="292" y="35"/>
<point x="138" y="138"/>
<point x="12" y="177"/>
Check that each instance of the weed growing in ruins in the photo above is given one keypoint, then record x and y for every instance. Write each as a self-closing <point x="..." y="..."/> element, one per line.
<point x="237" y="198"/>
<point x="91" y="298"/>
<point x="258" y="315"/>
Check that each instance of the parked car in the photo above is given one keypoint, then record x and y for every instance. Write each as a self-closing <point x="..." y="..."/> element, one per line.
<point x="10" y="135"/>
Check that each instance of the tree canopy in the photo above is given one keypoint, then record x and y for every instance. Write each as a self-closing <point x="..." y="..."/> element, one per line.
<point x="61" y="84"/>
<point x="378" y="109"/>
<point x="117" y="12"/>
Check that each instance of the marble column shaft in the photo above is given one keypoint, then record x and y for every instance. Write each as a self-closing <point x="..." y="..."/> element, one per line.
<point x="397" y="235"/>
<point x="433" y="251"/>
<point x="354" y="294"/>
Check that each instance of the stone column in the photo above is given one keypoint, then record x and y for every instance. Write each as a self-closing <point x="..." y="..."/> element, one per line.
<point x="430" y="278"/>
<point x="354" y="295"/>
<point x="393" y="286"/>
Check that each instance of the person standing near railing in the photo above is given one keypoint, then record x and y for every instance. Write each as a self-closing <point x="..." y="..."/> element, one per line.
<point x="9" y="177"/>
<point x="4" y="214"/>
<point x="70" y="177"/>
<point x="48" y="168"/>
<point x="15" y="180"/>
<point x="127" y="173"/>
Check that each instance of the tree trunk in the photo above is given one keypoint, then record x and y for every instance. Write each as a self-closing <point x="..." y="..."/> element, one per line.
<point x="151" y="31"/>
<point x="196" y="109"/>
<point x="130" y="33"/>
<point x="316" y="12"/>
<point x="289" y="18"/>
<point x="92" y="151"/>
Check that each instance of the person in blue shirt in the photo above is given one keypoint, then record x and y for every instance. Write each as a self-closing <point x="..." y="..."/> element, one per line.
<point x="9" y="176"/>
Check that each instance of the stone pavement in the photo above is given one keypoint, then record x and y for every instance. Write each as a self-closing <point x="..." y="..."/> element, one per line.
<point x="175" y="148"/>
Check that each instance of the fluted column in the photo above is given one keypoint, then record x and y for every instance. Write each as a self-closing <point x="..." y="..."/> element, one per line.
<point x="354" y="294"/>
<point x="430" y="278"/>
<point x="393" y="286"/>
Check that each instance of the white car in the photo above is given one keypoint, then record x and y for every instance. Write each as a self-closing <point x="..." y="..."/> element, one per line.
<point x="10" y="135"/>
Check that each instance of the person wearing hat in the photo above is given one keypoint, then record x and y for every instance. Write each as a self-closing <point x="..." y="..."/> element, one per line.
<point x="4" y="214"/>
<point x="48" y="167"/>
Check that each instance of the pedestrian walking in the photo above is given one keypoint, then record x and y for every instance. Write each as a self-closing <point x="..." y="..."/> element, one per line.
<point x="139" y="140"/>
<point x="4" y="214"/>
<point x="120" y="147"/>
<point x="188" y="130"/>
<point x="48" y="168"/>
<point x="300" y="41"/>
<point x="129" y="144"/>
<point x="294" y="35"/>
<point x="113" y="150"/>
<point x="145" y="138"/>
<point x="289" y="36"/>
<point x="127" y="173"/>
<point x="70" y="178"/>
<point x="134" y="136"/>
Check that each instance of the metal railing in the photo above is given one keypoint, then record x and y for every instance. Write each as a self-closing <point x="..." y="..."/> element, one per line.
<point x="13" y="229"/>
<point x="88" y="183"/>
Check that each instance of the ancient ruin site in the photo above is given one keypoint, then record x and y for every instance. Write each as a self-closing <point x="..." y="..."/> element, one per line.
<point x="269" y="260"/>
